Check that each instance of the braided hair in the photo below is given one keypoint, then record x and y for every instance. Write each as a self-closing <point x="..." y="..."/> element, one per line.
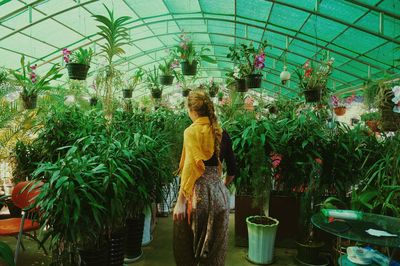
<point x="200" y="103"/>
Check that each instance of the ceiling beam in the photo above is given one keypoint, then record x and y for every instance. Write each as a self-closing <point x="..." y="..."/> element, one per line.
<point x="374" y="8"/>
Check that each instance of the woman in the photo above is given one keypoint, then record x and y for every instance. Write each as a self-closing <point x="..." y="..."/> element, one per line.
<point x="201" y="214"/>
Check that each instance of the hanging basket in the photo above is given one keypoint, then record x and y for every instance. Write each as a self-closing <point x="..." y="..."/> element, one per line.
<point x="240" y="85"/>
<point x="312" y="95"/>
<point x="339" y="111"/>
<point x="189" y="69"/>
<point x="253" y="81"/>
<point x="127" y="93"/>
<point x="77" y="71"/>
<point x="29" y="102"/>
<point x="166" y="80"/>
<point x="156" y="94"/>
<point x="185" y="92"/>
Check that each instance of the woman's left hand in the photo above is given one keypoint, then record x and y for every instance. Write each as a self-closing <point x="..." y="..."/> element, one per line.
<point x="180" y="209"/>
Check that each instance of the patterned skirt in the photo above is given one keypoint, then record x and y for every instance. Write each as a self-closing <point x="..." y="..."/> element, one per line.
<point x="204" y="241"/>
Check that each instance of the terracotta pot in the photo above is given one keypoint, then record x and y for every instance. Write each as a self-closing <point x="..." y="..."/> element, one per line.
<point x="339" y="111"/>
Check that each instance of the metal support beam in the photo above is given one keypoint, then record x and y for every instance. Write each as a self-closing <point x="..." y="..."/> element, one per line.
<point x="337" y="20"/>
<point x="374" y="8"/>
<point x="381" y="23"/>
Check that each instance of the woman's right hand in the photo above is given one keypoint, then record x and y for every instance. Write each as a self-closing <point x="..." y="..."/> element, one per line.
<point x="180" y="208"/>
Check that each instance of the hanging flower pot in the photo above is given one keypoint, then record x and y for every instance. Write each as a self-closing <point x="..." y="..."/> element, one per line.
<point x="285" y="75"/>
<point x="93" y="101"/>
<point x="127" y="93"/>
<point x="253" y="81"/>
<point x="308" y="253"/>
<point x="240" y="85"/>
<point x="134" y="236"/>
<point x="185" y="92"/>
<point x="262" y="232"/>
<point x="156" y="93"/>
<point x="339" y="111"/>
<point x="29" y="102"/>
<point x="77" y="71"/>
<point x="189" y="69"/>
<point x="312" y="95"/>
<point x="94" y="257"/>
<point x="166" y="80"/>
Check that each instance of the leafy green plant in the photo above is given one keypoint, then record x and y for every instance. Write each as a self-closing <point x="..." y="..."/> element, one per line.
<point x="6" y="254"/>
<point x="371" y="116"/>
<point x="136" y="78"/>
<point x="32" y="84"/>
<point x="370" y="93"/>
<point x="186" y="51"/>
<point x="3" y="77"/>
<point x="82" y="56"/>
<point x="168" y="67"/>
<point x="152" y="80"/>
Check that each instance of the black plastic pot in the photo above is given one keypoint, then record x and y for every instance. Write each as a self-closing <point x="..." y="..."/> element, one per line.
<point x="308" y="253"/>
<point x="29" y="102"/>
<point x="77" y="71"/>
<point x="127" y="93"/>
<point x="185" y="93"/>
<point x="240" y="85"/>
<point x="253" y="81"/>
<point x="116" y="249"/>
<point x="156" y="94"/>
<point x="93" y="101"/>
<point x="312" y="96"/>
<point x="94" y="257"/>
<point x="166" y="80"/>
<point x="134" y="237"/>
<point x="189" y="69"/>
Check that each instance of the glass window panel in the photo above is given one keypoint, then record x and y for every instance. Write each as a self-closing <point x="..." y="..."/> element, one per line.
<point x="221" y="27"/>
<point x="81" y="22"/>
<point x="386" y="53"/>
<point x="257" y="9"/>
<point x="281" y="30"/>
<point x="51" y="7"/>
<point x="148" y="44"/>
<point x="220" y="6"/>
<point x="193" y="25"/>
<point x="391" y="6"/>
<point x="9" y="7"/>
<point x="341" y="10"/>
<point x="148" y="8"/>
<point x="26" y="45"/>
<point x="183" y="6"/>
<point x="287" y="17"/>
<point x="140" y="33"/>
<point x="358" y="40"/>
<point x="22" y="19"/>
<point x="322" y="28"/>
<point x="222" y="39"/>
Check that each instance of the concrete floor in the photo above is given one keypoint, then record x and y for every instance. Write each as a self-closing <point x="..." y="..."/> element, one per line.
<point x="159" y="251"/>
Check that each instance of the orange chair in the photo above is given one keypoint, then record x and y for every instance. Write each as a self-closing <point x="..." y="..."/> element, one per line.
<point x="23" y="197"/>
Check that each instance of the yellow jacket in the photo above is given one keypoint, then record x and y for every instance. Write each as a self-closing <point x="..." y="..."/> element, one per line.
<point x="198" y="146"/>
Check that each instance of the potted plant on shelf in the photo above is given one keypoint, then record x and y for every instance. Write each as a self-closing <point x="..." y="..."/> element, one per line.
<point x="189" y="57"/>
<point x="153" y="83"/>
<point x="33" y="84"/>
<point x="168" y="71"/>
<point x="339" y="105"/>
<point x="78" y="62"/>
<point x="252" y="62"/>
<point x="313" y="78"/>
<point x="372" y="120"/>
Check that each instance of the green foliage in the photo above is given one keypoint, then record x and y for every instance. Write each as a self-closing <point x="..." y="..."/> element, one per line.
<point x="244" y="56"/>
<point x="136" y="78"/>
<point x="186" y="51"/>
<point x="371" y="116"/>
<point x="3" y="77"/>
<point x="30" y="88"/>
<point x="26" y="157"/>
<point x="152" y="80"/>
<point x="82" y="56"/>
<point x="370" y="93"/>
<point x="6" y="254"/>
<point x="167" y="68"/>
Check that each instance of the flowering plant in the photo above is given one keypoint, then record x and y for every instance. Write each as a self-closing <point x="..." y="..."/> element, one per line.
<point x="31" y="83"/>
<point x="186" y="51"/>
<point x="213" y="88"/>
<point x="80" y="56"/>
<point x="313" y="76"/>
<point x="396" y="99"/>
<point x="183" y="83"/>
<point x="153" y="80"/>
<point x="336" y="102"/>
<point x="168" y="68"/>
<point x="248" y="59"/>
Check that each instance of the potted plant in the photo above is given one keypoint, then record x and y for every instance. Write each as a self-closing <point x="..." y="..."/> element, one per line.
<point x="189" y="57"/>
<point x="213" y="88"/>
<point x="168" y="70"/>
<point x="153" y="83"/>
<point x="183" y="83"/>
<point x="372" y="120"/>
<point x="252" y="62"/>
<point x="313" y="78"/>
<point x="389" y="106"/>
<point x="78" y="62"/>
<point x="32" y="84"/>
<point x="220" y="96"/>
<point x="339" y="105"/>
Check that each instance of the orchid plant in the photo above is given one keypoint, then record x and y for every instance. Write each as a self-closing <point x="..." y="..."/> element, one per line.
<point x="169" y="66"/>
<point x="186" y="51"/>
<point x="247" y="59"/>
<point x="314" y="76"/>
<point x="80" y="56"/>
<point x="184" y="83"/>
<point x="31" y="83"/>
<point x="337" y="102"/>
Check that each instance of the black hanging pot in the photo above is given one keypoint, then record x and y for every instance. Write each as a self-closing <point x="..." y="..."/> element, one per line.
<point x="116" y="249"/>
<point x="156" y="94"/>
<point x="29" y="102"/>
<point x="94" y="257"/>
<point x="312" y="95"/>
<point x="93" y="101"/>
<point x="189" y="69"/>
<point x="253" y="81"/>
<point x="240" y="85"/>
<point x="166" y="79"/>
<point x="134" y="237"/>
<point x="77" y="71"/>
<point x="127" y="93"/>
<point x="185" y="92"/>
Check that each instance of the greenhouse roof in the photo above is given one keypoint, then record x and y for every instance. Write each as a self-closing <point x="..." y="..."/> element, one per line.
<point x="362" y="35"/>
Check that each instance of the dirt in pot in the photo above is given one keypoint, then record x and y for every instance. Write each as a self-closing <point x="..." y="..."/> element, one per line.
<point x="262" y="220"/>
